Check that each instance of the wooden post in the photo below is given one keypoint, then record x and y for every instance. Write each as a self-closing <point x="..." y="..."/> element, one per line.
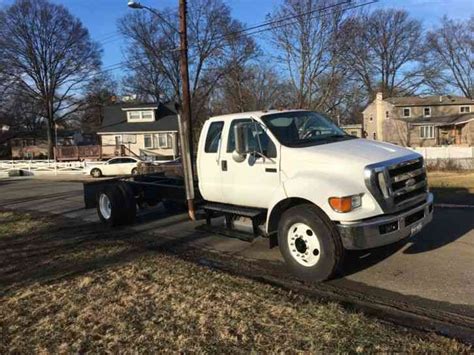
<point x="186" y="125"/>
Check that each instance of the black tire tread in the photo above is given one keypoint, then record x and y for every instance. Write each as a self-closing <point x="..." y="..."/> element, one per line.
<point x="314" y="213"/>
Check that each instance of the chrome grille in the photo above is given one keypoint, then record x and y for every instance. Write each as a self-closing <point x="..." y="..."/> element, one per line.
<point x="402" y="182"/>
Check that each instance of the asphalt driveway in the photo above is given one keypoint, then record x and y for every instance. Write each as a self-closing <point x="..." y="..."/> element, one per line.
<point x="436" y="265"/>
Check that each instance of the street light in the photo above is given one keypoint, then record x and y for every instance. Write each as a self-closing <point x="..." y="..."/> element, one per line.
<point x="185" y="109"/>
<point x="135" y="5"/>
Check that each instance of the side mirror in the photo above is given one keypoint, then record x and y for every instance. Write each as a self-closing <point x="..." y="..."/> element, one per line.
<point x="241" y="142"/>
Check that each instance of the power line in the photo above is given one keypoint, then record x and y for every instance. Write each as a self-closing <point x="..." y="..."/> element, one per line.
<point x="260" y="28"/>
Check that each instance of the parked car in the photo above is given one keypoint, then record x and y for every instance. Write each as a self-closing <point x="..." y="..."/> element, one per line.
<point x="114" y="166"/>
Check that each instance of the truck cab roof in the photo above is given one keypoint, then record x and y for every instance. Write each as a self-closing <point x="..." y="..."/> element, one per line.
<point x="255" y="114"/>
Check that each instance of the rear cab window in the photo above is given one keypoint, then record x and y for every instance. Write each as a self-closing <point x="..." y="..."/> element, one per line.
<point x="213" y="138"/>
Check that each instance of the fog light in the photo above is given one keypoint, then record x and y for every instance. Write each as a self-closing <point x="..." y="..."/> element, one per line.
<point x="389" y="227"/>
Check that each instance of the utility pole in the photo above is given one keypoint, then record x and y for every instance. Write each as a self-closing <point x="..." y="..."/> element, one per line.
<point x="187" y="145"/>
<point x="184" y="109"/>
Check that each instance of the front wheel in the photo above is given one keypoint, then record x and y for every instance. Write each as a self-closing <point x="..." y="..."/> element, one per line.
<point x="134" y="171"/>
<point x="309" y="243"/>
<point x="96" y="173"/>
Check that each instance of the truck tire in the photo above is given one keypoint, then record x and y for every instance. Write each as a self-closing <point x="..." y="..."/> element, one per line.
<point x="309" y="243"/>
<point x="110" y="202"/>
<point x="129" y="211"/>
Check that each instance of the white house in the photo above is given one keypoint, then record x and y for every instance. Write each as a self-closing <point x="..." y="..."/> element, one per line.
<point x="144" y="130"/>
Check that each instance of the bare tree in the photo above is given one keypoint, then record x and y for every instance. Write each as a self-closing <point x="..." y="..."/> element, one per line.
<point x="384" y="48"/>
<point x="49" y="54"/>
<point x="251" y="87"/>
<point x="451" y="48"/>
<point x="307" y="47"/>
<point x="99" y="92"/>
<point x="216" y="43"/>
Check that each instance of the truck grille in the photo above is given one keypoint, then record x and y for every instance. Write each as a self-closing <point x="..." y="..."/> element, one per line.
<point x="399" y="183"/>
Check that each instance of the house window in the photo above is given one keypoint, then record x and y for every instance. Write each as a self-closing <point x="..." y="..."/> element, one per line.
<point x="371" y="118"/>
<point x="427" y="111"/>
<point x="427" y="132"/>
<point x="129" y="139"/>
<point x="465" y="109"/>
<point x="118" y="140"/>
<point x="148" y="141"/>
<point x="162" y="140"/>
<point x="407" y="112"/>
<point x="136" y="116"/>
<point x="387" y="114"/>
<point x="375" y="136"/>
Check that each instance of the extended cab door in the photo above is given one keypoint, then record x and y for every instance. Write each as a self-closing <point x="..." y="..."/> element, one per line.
<point x="254" y="181"/>
<point x="209" y="168"/>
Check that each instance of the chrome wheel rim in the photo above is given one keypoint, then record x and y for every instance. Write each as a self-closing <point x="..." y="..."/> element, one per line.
<point x="304" y="244"/>
<point x="95" y="173"/>
<point x="105" y="206"/>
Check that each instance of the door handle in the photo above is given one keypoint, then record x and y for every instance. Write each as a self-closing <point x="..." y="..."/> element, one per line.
<point x="224" y="165"/>
<point x="270" y="170"/>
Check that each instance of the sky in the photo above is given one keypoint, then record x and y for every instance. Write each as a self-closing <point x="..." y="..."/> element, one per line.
<point x="100" y="16"/>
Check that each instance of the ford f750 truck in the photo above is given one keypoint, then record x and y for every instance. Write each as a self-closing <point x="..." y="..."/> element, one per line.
<point x="295" y="178"/>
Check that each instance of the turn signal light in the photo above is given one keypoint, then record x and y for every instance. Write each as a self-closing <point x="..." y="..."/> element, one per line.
<point x="345" y="204"/>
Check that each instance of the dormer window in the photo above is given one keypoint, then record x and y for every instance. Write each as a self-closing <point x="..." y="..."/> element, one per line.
<point x="146" y="114"/>
<point x="141" y="116"/>
<point x="465" y="109"/>
<point x="427" y="111"/>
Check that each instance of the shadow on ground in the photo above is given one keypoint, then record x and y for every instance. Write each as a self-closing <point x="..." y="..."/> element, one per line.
<point x="453" y="195"/>
<point x="72" y="247"/>
<point x="446" y="228"/>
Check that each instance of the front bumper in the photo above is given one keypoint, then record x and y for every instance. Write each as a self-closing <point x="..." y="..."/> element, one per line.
<point x="385" y="230"/>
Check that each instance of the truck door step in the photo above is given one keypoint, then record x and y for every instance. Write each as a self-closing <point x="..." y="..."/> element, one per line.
<point x="227" y="232"/>
<point x="234" y="210"/>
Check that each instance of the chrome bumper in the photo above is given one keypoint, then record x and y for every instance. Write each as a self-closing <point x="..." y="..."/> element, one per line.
<point x="385" y="230"/>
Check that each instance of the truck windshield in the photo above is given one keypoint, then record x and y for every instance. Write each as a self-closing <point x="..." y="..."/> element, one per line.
<point x="304" y="128"/>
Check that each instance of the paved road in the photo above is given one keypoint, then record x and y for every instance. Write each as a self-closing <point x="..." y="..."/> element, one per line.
<point x="438" y="264"/>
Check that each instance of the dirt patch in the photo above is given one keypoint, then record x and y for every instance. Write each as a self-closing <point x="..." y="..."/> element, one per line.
<point x="74" y="287"/>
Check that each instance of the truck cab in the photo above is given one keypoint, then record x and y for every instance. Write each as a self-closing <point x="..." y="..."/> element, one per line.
<point x="322" y="191"/>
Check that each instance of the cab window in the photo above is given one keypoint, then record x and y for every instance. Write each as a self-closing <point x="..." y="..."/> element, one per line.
<point x="257" y="134"/>
<point x="213" y="137"/>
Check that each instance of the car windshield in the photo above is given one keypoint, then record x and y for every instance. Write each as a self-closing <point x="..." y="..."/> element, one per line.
<point x="304" y="128"/>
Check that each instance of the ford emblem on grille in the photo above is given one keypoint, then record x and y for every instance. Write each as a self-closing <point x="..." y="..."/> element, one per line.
<point x="410" y="182"/>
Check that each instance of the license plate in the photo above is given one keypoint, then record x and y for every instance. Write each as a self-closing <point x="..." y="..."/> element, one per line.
<point x="416" y="228"/>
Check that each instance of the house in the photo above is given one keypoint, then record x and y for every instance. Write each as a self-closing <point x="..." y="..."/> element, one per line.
<point x="421" y="121"/>
<point x="353" y="129"/>
<point x="146" y="130"/>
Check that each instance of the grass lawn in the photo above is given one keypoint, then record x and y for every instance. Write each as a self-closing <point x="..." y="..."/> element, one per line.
<point x="452" y="187"/>
<point x="148" y="301"/>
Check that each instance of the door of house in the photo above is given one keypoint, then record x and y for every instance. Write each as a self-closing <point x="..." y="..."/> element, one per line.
<point x="458" y="135"/>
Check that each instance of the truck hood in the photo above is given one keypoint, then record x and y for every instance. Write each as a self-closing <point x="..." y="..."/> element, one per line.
<point x="350" y="152"/>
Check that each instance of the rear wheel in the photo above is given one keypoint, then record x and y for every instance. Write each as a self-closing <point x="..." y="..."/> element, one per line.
<point x="134" y="171"/>
<point x="309" y="243"/>
<point x="97" y="173"/>
<point x="116" y="205"/>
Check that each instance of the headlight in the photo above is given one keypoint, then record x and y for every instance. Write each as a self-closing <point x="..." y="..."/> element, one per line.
<point x="345" y="204"/>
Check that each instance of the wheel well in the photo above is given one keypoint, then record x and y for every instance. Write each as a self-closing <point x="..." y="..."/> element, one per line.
<point x="281" y="207"/>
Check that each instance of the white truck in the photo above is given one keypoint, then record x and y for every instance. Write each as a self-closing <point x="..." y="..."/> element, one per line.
<point x="296" y="178"/>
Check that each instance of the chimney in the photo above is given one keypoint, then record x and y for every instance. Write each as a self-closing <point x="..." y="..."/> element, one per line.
<point x="379" y="96"/>
<point x="440" y="98"/>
